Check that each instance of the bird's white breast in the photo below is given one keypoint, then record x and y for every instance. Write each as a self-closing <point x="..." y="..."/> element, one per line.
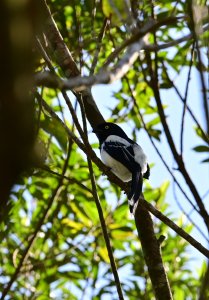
<point x="116" y="167"/>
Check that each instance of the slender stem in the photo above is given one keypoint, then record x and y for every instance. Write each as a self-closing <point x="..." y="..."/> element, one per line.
<point x="99" y="44"/>
<point x="204" y="134"/>
<point x="100" y="212"/>
<point x="176" y="228"/>
<point x="185" y="102"/>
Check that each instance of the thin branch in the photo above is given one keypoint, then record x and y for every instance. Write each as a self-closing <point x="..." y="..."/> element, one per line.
<point x="74" y="116"/>
<point x="206" y="137"/>
<point x="150" y="26"/>
<point x="98" y="47"/>
<point x="173" y="42"/>
<point x="185" y="101"/>
<point x="204" y="90"/>
<point x="187" y="214"/>
<point x="100" y="212"/>
<point x="194" y="26"/>
<point x="44" y="54"/>
<point x="172" y="225"/>
<point x="71" y="180"/>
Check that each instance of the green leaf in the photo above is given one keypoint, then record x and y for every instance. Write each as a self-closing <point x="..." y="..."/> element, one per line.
<point x="205" y="160"/>
<point x="201" y="148"/>
<point x="53" y="127"/>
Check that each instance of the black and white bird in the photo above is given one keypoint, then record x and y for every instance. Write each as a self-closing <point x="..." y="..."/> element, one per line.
<point x="125" y="158"/>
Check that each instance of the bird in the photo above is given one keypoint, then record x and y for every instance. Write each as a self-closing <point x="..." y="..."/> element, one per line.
<point x="125" y="158"/>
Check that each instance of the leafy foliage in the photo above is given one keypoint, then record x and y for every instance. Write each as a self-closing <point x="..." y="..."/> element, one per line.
<point x="54" y="204"/>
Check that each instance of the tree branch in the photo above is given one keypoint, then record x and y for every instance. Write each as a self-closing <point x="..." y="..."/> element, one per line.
<point x="152" y="253"/>
<point x="185" y="102"/>
<point x="101" y="216"/>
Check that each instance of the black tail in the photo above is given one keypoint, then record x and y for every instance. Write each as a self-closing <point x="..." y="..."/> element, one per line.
<point x="136" y="189"/>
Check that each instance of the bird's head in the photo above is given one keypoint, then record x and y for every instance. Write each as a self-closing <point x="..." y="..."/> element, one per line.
<point x="105" y="129"/>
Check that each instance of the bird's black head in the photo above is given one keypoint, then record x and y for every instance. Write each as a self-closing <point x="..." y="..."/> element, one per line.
<point x="105" y="129"/>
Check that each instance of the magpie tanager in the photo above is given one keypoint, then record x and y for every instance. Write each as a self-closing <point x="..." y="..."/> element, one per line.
<point x="125" y="158"/>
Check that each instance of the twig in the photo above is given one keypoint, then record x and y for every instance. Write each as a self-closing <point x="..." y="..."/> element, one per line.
<point x="44" y="54"/>
<point x="98" y="47"/>
<point x="100" y="212"/>
<point x="206" y="137"/>
<point x="204" y="90"/>
<point x="193" y="22"/>
<point x="187" y="214"/>
<point x="150" y="26"/>
<point x="185" y="102"/>
<point x="173" y="42"/>
<point x="173" y="226"/>
<point x="71" y="180"/>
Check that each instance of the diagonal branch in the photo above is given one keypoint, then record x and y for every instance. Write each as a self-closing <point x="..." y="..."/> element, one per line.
<point x="99" y="44"/>
<point x="101" y="216"/>
<point x="88" y="150"/>
<point x="185" y="101"/>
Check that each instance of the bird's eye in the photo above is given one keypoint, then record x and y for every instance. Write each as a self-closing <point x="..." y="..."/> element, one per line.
<point x="106" y="127"/>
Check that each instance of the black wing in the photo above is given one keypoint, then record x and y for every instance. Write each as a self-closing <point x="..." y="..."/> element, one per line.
<point x="122" y="153"/>
<point x="125" y="155"/>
